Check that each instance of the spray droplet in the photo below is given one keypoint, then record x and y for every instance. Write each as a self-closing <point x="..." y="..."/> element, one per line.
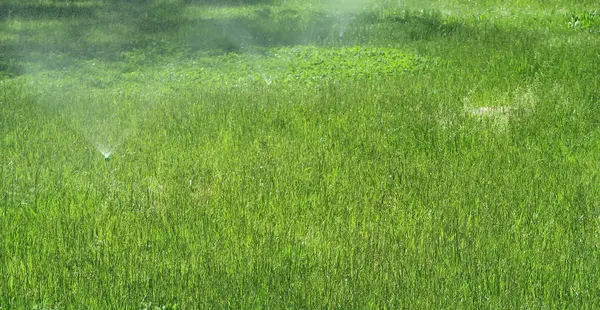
<point x="106" y="153"/>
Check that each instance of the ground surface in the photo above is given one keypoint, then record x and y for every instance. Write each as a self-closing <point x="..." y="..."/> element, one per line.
<point x="437" y="154"/>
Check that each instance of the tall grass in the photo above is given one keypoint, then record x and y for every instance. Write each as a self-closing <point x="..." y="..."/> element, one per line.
<point x="335" y="190"/>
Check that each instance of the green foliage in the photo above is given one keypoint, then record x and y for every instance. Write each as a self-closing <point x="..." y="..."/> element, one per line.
<point x="586" y="21"/>
<point x="435" y="155"/>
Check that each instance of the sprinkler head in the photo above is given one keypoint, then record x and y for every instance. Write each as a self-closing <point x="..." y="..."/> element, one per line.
<point x="106" y="158"/>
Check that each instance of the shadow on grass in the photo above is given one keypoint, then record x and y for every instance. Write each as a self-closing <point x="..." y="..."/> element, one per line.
<point x="77" y="9"/>
<point x="45" y="11"/>
<point x="261" y="29"/>
<point x="409" y="25"/>
<point x="160" y="28"/>
<point x="228" y="2"/>
<point x="268" y="28"/>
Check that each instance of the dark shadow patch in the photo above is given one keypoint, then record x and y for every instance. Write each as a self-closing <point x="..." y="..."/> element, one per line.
<point x="228" y="2"/>
<point x="269" y="28"/>
<point x="159" y="29"/>
<point x="46" y="11"/>
<point x="8" y="63"/>
<point x="403" y="26"/>
<point x="264" y="28"/>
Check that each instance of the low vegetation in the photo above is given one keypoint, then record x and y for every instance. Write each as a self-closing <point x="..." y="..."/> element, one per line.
<point x="413" y="154"/>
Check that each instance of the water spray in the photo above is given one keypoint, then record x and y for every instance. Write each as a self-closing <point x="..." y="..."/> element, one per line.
<point x="268" y="80"/>
<point x="106" y="155"/>
<point x="345" y="21"/>
<point x="106" y="152"/>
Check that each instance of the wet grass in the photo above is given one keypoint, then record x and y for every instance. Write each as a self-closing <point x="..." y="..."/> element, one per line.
<point x="264" y="170"/>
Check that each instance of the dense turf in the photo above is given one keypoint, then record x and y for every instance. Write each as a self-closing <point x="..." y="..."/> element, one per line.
<point x="299" y="155"/>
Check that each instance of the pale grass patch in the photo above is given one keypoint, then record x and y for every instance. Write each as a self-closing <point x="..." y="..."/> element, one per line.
<point x="497" y="116"/>
<point x="202" y="192"/>
<point x="499" y="109"/>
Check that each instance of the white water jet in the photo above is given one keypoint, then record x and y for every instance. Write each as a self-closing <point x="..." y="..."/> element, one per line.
<point x="106" y="151"/>
<point x="268" y="80"/>
<point x="343" y="29"/>
<point x="344" y="20"/>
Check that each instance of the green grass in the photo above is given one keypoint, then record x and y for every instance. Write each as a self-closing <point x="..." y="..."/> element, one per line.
<point x="260" y="160"/>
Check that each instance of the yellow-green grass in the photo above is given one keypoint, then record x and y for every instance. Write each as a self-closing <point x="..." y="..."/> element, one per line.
<point x="444" y="158"/>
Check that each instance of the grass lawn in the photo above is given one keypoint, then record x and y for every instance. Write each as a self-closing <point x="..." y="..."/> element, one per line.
<point x="173" y="154"/>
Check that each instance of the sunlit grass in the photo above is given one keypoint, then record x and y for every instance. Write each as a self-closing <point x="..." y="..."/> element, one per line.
<point x="444" y="158"/>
